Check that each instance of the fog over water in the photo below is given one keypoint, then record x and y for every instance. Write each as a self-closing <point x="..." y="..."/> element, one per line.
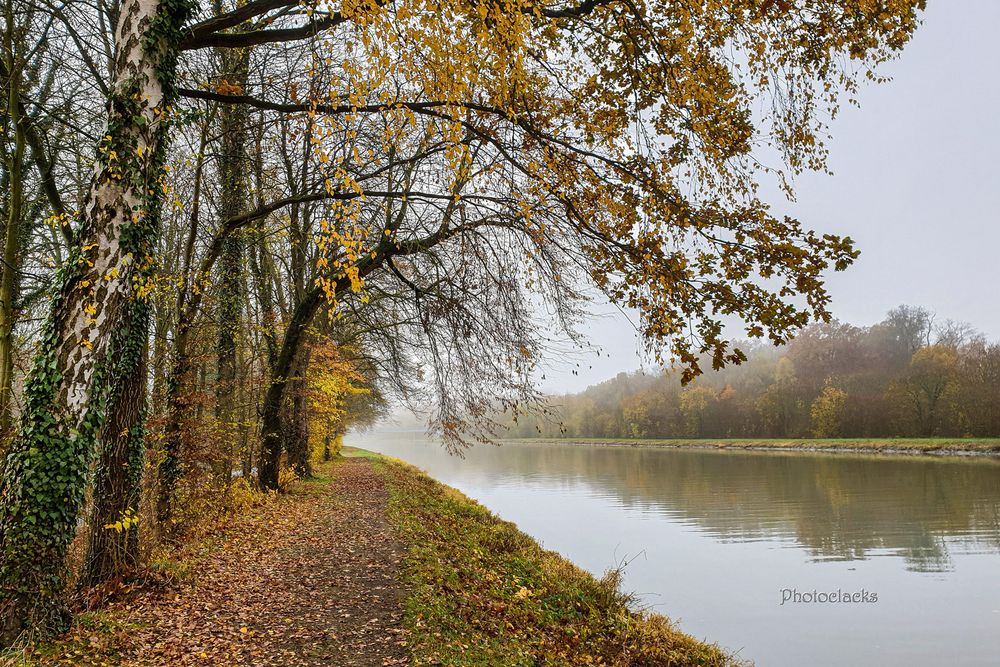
<point x="914" y="185"/>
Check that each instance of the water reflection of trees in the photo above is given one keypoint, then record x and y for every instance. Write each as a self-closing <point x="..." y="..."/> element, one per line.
<point x="836" y="506"/>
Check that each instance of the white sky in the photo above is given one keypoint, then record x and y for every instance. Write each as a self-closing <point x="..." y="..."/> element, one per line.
<point x="915" y="185"/>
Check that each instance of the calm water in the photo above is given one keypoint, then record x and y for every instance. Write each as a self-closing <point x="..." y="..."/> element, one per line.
<point x="712" y="538"/>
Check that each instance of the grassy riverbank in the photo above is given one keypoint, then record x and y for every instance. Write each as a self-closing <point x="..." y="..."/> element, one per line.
<point x="943" y="446"/>
<point x="484" y="593"/>
<point x="370" y="563"/>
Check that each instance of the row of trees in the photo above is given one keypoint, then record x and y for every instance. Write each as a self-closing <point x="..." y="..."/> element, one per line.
<point x="232" y="229"/>
<point x="904" y="376"/>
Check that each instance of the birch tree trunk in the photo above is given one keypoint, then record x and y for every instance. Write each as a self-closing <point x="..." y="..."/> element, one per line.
<point x="93" y="338"/>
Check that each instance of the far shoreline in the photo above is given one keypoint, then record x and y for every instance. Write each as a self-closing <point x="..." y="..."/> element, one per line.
<point x="988" y="447"/>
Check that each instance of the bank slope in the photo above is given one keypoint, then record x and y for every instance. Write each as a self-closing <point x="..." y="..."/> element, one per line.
<point x="910" y="446"/>
<point x="482" y="593"/>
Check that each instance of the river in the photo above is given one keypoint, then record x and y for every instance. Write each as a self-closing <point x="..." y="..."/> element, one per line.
<point x="732" y="545"/>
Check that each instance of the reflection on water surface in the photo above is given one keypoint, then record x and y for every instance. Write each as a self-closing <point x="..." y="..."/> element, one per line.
<point x="713" y="537"/>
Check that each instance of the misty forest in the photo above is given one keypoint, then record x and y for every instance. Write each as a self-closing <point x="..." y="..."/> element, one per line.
<point x="903" y="377"/>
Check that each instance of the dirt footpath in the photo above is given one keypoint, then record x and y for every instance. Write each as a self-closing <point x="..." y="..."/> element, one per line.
<point x="315" y="582"/>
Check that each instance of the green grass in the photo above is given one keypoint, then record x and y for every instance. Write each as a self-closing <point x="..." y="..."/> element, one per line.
<point x="482" y="593"/>
<point x="356" y="453"/>
<point x="904" y="445"/>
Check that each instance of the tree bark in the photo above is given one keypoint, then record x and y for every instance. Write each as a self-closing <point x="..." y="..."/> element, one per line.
<point x="8" y="282"/>
<point x="269" y="460"/>
<point x="232" y="167"/>
<point x="159" y="358"/>
<point x="298" y="431"/>
<point x="15" y="205"/>
<point x="88" y="343"/>
<point x="113" y="544"/>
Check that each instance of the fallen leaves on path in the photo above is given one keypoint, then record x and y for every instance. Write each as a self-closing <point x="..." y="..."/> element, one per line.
<point x="311" y="579"/>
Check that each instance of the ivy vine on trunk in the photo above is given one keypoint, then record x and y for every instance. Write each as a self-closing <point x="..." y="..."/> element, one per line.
<point x="113" y="543"/>
<point x="94" y="337"/>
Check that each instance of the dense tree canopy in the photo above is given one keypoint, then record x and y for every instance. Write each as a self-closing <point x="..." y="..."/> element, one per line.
<point x="904" y="376"/>
<point x="435" y="189"/>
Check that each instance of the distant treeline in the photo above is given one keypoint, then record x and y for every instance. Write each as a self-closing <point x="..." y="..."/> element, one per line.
<point x="906" y="376"/>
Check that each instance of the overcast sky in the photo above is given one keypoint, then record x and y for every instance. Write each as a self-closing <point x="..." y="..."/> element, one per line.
<point x="915" y="185"/>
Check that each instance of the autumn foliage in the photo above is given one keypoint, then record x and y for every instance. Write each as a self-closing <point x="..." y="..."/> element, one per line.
<point x="291" y="211"/>
<point x="905" y="376"/>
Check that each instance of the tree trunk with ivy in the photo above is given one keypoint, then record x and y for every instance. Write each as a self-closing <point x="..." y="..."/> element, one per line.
<point x="232" y="166"/>
<point x="327" y="440"/>
<point x="92" y="339"/>
<point x="113" y="543"/>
